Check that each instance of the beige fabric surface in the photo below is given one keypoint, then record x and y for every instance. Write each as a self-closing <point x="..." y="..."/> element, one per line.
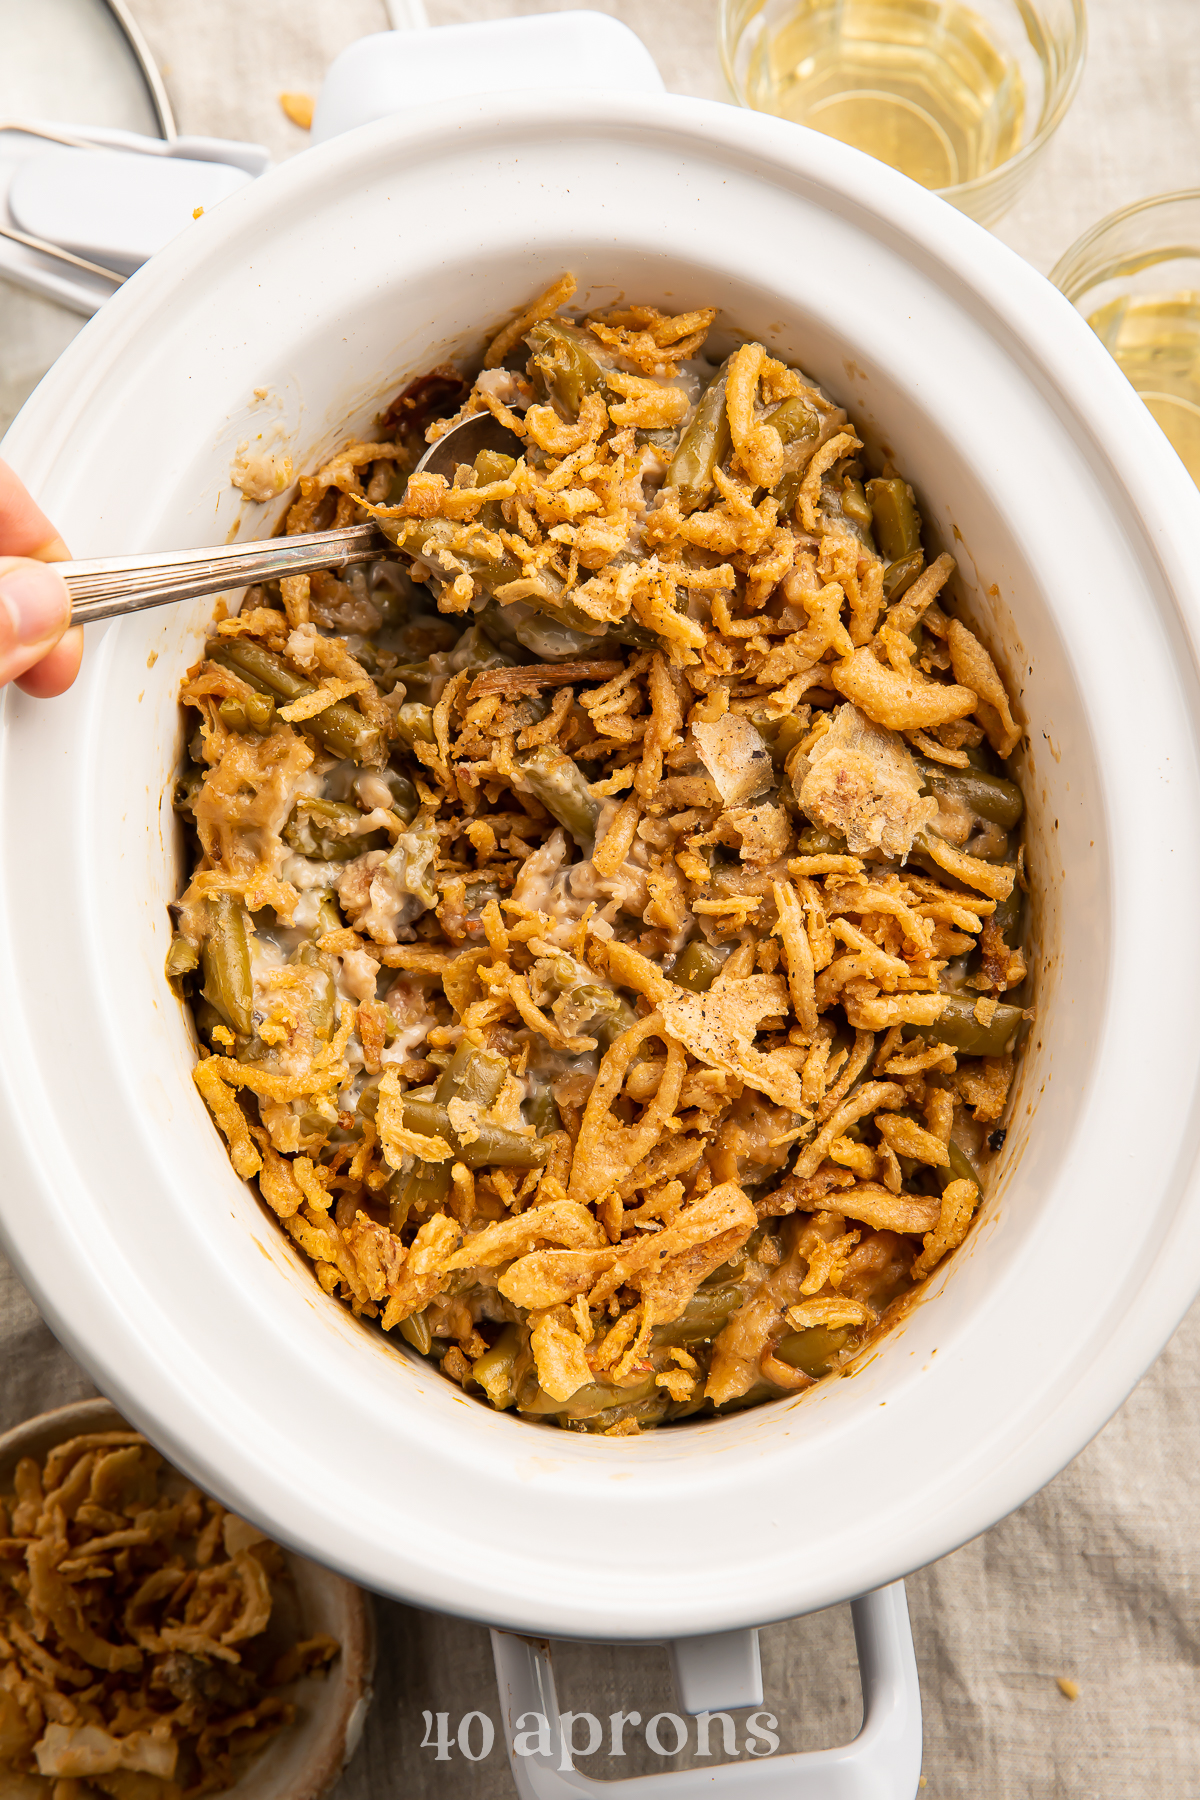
<point x="1098" y="1577"/>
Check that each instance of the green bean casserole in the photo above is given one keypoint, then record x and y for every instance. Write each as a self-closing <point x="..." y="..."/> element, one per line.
<point x="604" y="927"/>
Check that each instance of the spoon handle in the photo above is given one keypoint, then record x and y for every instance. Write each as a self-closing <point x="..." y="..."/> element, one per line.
<point x="109" y="586"/>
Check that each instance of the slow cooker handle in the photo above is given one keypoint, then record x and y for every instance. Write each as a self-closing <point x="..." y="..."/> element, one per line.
<point x="882" y="1763"/>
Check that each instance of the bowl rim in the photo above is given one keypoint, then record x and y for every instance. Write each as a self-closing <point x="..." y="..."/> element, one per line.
<point x="1032" y="321"/>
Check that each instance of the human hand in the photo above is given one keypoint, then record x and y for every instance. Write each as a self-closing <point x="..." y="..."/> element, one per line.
<point x="37" y="650"/>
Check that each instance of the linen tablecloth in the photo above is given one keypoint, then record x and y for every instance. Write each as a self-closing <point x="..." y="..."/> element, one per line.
<point x="1097" y="1579"/>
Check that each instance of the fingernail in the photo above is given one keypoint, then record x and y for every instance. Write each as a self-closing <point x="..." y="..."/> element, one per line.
<point x="35" y="599"/>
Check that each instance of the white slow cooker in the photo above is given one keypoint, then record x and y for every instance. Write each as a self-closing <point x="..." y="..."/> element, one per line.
<point x="297" y="309"/>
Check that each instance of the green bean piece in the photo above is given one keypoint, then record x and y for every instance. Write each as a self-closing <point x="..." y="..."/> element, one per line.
<point x="897" y="527"/>
<point x="471" y="1074"/>
<point x="704" y="446"/>
<point x="586" y="1402"/>
<point x="410" y="676"/>
<point x="422" y="1191"/>
<point x="733" y="1268"/>
<point x="607" y="1027"/>
<point x="788" y="492"/>
<point x="225" y="960"/>
<point x="323" y="1007"/>
<point x="812" y="1350"/>
<point x="842" y="497"/>
<point x="796" y="421"/>
<point x="955" y="974"/>
<point x="501" y="1148"/>
<point x="606" y="1031"/>
<point x="990" y="848"/>
<point x="780" y="735"/>
<point x="491" y="515"/>
<point x="416" y="668"/>
<point x="476" y="652"/>
<point x="233" y="716"/>
<point x="260" y="712"/>
<point x="414" y="722"/>
<point x="561" y="787"/>
<point x="493" y="465"/>
<point x="432" y="1185"/>
<point x="497" y="621"/>
<point x="856" y="507"/>
<point x="898" y="577"/>
<point x="265" y="671"/>
<point x="333" y="811"/>
<point x="329" y="916"/>
<point x="563" y="366"/>
<point x="991" y="797"/>
<point x="605" y="1002"/>
<point x="706" y="1313"/>
<point x="493" y="1145"/>
<point x="312" y="1123"/>
<point x="368" y="1098"/>
<point x="415" y="1331"/>
<point x="598" y="1399"/>
<point x="649" y="1411"/>
<point x="340" y="727"/>
<point x="311" y="831"/>
<point x="476" y="895"/>
<point x="961" y="1168"/>
<point x="182" y="957"/>
<point x="542" y="1111"/>
<point x="663" y="438"/>
<point x="815" y="842"/>
<point x="493" y="1370"/>
<point x="959" y="1027"/>
<point x="1007" y="916"/>
<point x="698" y="966"/>
<point x="405" y="799"/>
<point x="638" y="637"/>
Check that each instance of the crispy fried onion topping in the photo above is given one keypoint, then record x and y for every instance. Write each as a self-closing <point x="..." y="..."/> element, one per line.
<point x="129" y="1603"/>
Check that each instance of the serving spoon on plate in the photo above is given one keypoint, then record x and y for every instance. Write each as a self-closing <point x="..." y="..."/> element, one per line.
<point x="107" y="587"/>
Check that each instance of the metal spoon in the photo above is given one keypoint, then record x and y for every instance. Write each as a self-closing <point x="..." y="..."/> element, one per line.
<point x="105" y="587"/>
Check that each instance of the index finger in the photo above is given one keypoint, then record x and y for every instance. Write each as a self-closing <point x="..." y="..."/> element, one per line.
<point x="24" y="528"/>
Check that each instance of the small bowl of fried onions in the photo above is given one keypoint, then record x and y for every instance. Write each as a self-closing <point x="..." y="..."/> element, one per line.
<point x="153" y="1644"/>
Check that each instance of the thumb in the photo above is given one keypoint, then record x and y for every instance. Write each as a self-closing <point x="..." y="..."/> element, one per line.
<point x="35" y="610"/>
